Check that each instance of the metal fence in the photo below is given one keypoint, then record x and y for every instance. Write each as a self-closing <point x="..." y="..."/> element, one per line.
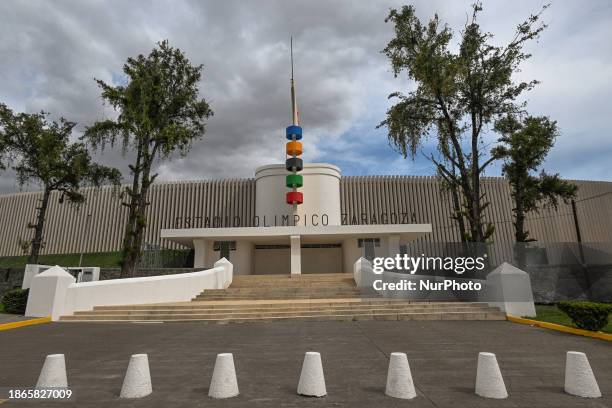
<point x="558" y="270"/>
<point x="156" y="256"/>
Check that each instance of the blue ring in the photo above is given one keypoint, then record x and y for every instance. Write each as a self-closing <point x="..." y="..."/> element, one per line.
<point x="294" y="131"/>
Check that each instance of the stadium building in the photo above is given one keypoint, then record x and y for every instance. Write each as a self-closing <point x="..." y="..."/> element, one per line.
<point x="211" y="213"/>
<point x="297" y="218"/>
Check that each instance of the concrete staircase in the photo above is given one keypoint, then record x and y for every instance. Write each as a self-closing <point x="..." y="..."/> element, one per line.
<point x="281" y="297"/>
<point x="274" y="287"/>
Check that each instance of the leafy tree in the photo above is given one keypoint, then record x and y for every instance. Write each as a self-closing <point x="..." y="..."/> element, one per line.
<point x="40" y="152"/>
<point x="523" y="146"/>
<point x="457" y="94"/>
<point x="160" y="113"/>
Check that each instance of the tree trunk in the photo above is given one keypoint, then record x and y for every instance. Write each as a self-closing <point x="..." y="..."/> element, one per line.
<point x="519" y="214"/>
<point x="137" y="221"/>
<point x="38" y="229"/>
<point x="477" y="233"/>
<point x="128" y="262"/>
<point x="457" y="211"/>
<point x="129" y="258"/>
<point x="141" y="223"/>
<point x="133" y="243"/>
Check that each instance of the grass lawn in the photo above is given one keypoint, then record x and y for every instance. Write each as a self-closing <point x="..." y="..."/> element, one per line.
<point x="551" y="314"/>
<point x="101" y="259"/>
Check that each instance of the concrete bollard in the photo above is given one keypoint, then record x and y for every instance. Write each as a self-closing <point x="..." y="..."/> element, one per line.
<point x="312" y="380"/>
<point x="489" y="380"/>
<point x="137" y="381"/>
<point x="224" y="383"/>
<point x="579" y="378"/>
<point x="53" y="373"/>
<point x="399" y="378"/>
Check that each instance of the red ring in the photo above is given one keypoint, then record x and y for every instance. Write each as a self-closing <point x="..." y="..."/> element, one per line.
<point x="295" y="197"/>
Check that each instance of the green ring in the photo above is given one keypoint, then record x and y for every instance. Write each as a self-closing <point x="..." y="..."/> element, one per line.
<point x="294" y="180"/>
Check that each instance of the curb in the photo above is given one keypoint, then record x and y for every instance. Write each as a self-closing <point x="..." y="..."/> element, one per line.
<point x="23" y="323"/>
<point x="561" y="328"/>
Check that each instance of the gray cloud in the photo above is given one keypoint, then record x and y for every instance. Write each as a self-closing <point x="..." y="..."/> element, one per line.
<point x="51" y="51"/>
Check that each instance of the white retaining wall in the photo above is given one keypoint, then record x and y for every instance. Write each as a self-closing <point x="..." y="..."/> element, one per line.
<point x="55" y="293"/>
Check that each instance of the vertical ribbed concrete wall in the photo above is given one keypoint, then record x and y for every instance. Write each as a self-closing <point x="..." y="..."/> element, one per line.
<point x="420" y="197"/>
<point x="68" y="230"/>
<point x="193" y="203"/>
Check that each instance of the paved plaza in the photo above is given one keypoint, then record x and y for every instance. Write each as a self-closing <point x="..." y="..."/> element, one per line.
<point x="268" y="358"/>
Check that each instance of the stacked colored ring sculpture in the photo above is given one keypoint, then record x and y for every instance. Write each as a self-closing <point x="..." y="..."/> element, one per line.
<point x="294" y="164"/>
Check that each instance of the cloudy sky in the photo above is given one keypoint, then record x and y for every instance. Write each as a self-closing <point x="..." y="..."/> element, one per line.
<point x="50" y="51"/>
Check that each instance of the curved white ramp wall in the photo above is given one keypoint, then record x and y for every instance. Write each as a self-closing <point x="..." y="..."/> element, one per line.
<point x="321" y="195"/>
<point x="55" y="293"/>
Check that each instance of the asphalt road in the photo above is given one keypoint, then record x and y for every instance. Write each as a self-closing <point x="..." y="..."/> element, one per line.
<point x="268" y="358"/>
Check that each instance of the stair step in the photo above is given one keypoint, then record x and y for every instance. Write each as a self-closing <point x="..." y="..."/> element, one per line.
<point x="271" y="309"/>
<point x="282" y="288"/>
<point x="284" y="280"/>
<point x="241" y="313"/>
<point x="280" y="291"/>
<point x="246" y="298"/>
<point x="304" y="277"/>
<point x="283" y="303"/>
<point x="238" y="298"/>
<point x="470" y="315"/>
<point x="263" y="296"/>
<point x="370" y="309"/>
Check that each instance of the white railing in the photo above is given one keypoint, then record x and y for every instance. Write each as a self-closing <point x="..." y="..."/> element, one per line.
<point x="83" y="273"/>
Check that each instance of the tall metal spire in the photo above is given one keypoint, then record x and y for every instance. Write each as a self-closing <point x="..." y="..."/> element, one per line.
<point x="294" y="110"/>
<point x="294" y="163"/>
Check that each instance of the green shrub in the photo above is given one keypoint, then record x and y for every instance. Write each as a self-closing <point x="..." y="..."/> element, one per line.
<point x="15" y="301"/>
<point x="587" y="315"/>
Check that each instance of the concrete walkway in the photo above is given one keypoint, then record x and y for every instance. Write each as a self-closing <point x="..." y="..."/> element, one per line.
<point x="268" y="359"/>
